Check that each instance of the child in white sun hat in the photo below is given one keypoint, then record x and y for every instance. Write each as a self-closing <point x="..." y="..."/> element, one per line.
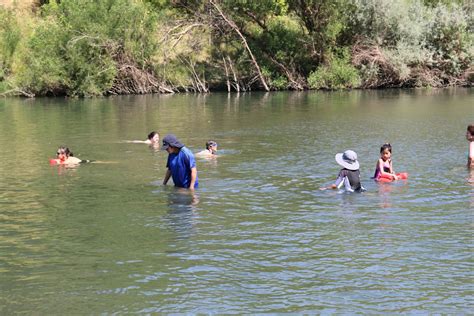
<point x="349" y="175"/>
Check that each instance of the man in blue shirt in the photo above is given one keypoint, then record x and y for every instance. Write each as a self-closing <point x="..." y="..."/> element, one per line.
<point x="181" y="164"/>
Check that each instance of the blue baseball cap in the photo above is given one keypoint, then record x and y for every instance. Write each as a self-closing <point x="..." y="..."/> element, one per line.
<point x="171" y="140"/>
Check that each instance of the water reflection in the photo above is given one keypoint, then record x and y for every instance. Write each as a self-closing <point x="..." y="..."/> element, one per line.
<point x="182" y="211"/>
<point x="65" y="170"/>
<point x="470" y="178"/>
<point x="257" y="230"/>
<point x="470" y="181"/>
<point x="386" y="190"/>
<point x="154" y="148"/>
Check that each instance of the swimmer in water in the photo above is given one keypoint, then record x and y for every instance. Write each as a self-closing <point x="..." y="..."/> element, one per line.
<point x="153" y="140"/>
<point x="210" y="151"/>
<point x="65" y="157"/>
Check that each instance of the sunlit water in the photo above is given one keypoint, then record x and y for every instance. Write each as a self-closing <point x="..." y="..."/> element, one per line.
<point x="258" y="236"/>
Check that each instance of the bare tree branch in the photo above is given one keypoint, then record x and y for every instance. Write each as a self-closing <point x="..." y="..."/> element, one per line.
<point x="244" y="41"/>
<point x="236" y="82"/>
<point x="226" y="75"/>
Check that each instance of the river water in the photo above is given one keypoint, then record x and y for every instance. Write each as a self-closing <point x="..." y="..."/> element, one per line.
<point x="257" y="236"/>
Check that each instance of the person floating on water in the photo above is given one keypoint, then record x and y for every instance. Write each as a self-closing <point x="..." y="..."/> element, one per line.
<point x="349" y="175"/>
<point x="65" y="157"/>
<point x="153" y="139"/>
<point x="470" y="139"/>
<point x="384" y="168"/>
<point x="210" y="151"/>
<point x="181" y="165"/>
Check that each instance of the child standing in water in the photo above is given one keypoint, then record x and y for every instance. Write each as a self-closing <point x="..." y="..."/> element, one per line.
<point x="349" y="175"/>
<point x="384" y="169"/>
<point x="470" y="139"/>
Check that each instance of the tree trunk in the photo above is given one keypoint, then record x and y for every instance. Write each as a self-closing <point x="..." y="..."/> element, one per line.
<point x="244" y="41"/>
<point x="236" y="82"/>
<point x="226" y="75"/>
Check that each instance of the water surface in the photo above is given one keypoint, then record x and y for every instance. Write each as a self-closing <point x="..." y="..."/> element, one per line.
<point x="258" y="236"/>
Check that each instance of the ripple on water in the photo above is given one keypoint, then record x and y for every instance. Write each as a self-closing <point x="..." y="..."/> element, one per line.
<point x="258" y="236"/>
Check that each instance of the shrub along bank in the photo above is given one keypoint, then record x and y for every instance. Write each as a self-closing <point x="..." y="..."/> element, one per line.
<point x="89" y="48"/>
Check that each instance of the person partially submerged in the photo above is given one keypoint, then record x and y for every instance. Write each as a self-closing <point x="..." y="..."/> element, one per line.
<point x="384" y="168"/>
<point x="210" y="151"/>
<point x="65" y="157"/>
<point x="470" y="139"/>
<point x="181" y="165"/>
<point x="349" y="175"/>
<point x="153" y="140"/>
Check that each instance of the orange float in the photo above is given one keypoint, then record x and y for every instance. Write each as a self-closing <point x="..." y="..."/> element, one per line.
<point x="388" y="178"/>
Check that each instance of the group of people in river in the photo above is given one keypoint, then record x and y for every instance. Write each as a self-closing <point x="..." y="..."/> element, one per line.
<point x="180" y="166"/>
<point x="349" y="175"/>
<point x="181" y="163"/>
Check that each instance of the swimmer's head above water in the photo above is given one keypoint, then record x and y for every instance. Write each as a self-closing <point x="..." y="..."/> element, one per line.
<point x="211" y="146"/>
<point x="154" y="137"/>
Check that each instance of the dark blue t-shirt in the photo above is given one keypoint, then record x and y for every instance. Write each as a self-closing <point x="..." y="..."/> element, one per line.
<point x="180" y="165"/>
<point x="353" y="180"/>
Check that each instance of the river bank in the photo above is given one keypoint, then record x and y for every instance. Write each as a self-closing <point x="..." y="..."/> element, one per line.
<point x="72" y="48"/>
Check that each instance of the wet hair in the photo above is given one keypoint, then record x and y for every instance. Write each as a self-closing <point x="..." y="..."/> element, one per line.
<point x="470" y="129"/>
<point x="152" y="134"/>
<point x="210" y="143"/>
<point x="64" y="150"/>
<point x="386" y="146"/>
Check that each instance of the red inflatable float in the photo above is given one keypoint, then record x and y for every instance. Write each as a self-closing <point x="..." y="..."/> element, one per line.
<point x="54" y="162"/>
<point x="387" y="178"/>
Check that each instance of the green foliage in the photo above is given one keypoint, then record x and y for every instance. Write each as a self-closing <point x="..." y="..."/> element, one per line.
<point x="324" y="21"/>
<point x="184" y="54"/>
<point x="338" y="74"/>
<point x="79" y="45"/>
<point x="159" y="4"/>
<point x="274" y="80"/>
<point x="280" y="44"/>
<point x="91" y="47"/>
<point x="279" y="83"/>
<point x="449" y="36"/>
<point x="273" y="36"/>
<point x="46" y="70"/>
<point x="381" y="20"/>
<point x="10" y="36"/>
<point x="437" y="38"/>
<point x="404" y="56"/>
<point x="126" y="23"/>
<point x="259" y="9"/>
<point x="434" y="3"/>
